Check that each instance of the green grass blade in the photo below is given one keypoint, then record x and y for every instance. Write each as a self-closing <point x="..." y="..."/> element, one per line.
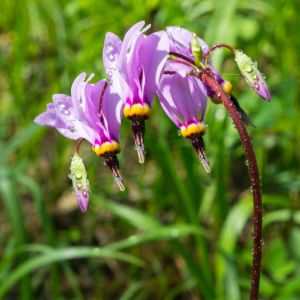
<point x="59" y="255"/>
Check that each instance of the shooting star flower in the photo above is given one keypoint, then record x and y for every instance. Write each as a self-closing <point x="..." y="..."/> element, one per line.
<point x="183" y="99"/>
<point x="135" y="66"/>
<point x="80" y="116"/>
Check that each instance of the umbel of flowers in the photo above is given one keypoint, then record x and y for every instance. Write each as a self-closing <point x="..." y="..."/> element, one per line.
<point x="174" y="64"/>
<point x="164" y="63"/>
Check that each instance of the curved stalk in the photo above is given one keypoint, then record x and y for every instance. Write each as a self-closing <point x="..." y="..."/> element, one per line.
<point x="207" y="55"/>
<point x="210" y="81"/>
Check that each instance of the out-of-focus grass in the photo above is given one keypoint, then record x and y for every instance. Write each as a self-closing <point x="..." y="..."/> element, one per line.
<point x="191" y="231"/>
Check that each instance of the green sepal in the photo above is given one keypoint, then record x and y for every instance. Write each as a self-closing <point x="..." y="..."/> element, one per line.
<point x="196" y="50"/>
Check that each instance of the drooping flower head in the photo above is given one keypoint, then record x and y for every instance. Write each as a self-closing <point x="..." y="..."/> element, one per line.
<point x="134" y="67"/>
<point x="93" y="113"/>
<point x="183" y="99"/>
<point x="182" y="41"/>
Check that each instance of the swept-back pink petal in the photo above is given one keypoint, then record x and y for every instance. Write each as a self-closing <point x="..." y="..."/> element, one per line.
<point x="127" y="54"/>
<point x="167" y="102"/>
<point x="112" y="113"/>
<point x="153" y="56"/>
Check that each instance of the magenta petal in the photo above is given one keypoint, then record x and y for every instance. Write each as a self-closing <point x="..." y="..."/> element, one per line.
<point x="199" y="94"/>
<point x="183" y="98"/>
<point x="92" y="94"/>
<point x="112" y="112"/>
<point x="183" y="37"/>
<point x="82" y="197"/>
<point x="111" y="53"/>
<point x="53" y="118"/>
<point x="261" y="88"/>
<point x="127" y="54"/>
<point x="166" y="100"/>
<point x="77" y="95"/>
<point x="153" y="56"/>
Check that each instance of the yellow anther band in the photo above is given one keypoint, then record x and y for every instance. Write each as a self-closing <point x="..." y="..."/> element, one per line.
<point x="137" y="110"/>
<point x="192" y="129"/>
<point x="107" y="148"/>
<point x="227" y="86"/>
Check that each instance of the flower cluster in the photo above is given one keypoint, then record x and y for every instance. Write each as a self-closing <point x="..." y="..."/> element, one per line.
<point x="164" y="63"/>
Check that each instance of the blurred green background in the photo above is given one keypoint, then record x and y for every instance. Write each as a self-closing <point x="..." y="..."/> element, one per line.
<point x="177" y="233"/>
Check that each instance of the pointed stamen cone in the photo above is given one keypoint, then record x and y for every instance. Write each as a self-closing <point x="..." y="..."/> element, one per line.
<point x="139" y="147"/>
<point x="118" y="178"/>
<point x="138" y="129"/>
<point x="113" y="164"/>
<point x="199" y="146"/>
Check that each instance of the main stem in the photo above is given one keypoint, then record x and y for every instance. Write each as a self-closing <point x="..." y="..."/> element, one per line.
<point x="209" y="80"/>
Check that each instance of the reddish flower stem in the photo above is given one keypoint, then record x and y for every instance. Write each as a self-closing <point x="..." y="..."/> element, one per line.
<point x="101" y="96"/>
<point x="206" y="77"/>
<point x="207" y="55"/>
<point x="78" y="145"/>
<point x="191" y="61"/>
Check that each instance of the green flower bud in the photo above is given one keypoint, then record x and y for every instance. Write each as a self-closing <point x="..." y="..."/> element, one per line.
<point x="252" y="75"/>
<point x="80" y="181"/>
<point x="196" y="50"/>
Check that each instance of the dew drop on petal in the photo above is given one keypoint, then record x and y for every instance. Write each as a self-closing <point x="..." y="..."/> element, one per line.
<point x="111" y="57"/>
<point x="66" y="112"/>
<point x="71" y="127"/>
<point x="109" y="47"/>
<point x="60" y="106"/>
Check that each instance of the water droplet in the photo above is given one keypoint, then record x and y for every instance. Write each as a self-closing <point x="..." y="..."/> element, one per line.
<point x="78" y="175"/>
<point x="71" y="127"/>
<point x="84" y="193"/>
<point x="60" y="106"/>
<point x="109" y="48"/>
<point x="110" y="73"/>
<point x="66" y="112"/>
<point x="114" y="67"/>
<point x="111" y="57"/>
<point x="248" y="68"/>
<point x="256" y="86"/>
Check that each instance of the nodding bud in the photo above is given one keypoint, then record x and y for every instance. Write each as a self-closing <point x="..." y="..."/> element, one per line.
<point x="196" y="50"/>
<point x="254" y="78"/>
<point x="138" y="130"/>
<point x="80" y="182"/>
<point x="198" y="144"/>
<point x="113" y="164"/>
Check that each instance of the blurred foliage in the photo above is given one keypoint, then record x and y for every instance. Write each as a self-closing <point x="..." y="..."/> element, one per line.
<point x="177" y="233"/>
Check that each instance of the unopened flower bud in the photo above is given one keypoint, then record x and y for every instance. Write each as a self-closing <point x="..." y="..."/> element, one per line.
<point x="196" y="50"/>
<point x="80" y="182"/>
<point x="254" y="78"/>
